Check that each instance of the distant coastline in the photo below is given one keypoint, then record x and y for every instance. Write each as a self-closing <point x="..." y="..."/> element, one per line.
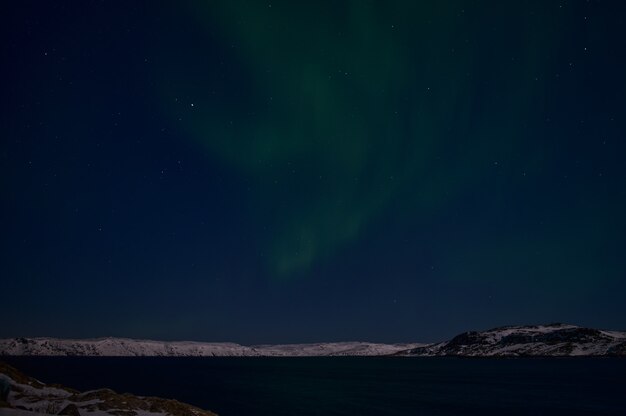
<point x="552" y="340"/>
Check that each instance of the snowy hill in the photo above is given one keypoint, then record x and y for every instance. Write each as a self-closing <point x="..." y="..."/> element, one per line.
<point x="518" y="341"/>
<point x="540" y="340"/>
<point x="122" y="347"/>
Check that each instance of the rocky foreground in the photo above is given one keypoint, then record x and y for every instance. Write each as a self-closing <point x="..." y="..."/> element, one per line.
<point x="554" y="340"/>
<point x="21" y="395"/>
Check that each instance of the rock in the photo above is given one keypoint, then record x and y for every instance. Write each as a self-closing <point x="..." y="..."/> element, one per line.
<point x="557" y="340"/>
<point x="5" y="388"/>
<point x="70" y="410"/>
<point x="34" y="396"/>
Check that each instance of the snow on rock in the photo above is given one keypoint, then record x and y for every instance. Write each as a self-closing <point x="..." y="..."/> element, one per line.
<point x="29" y="397"/>
<point x="553" y="340"/>
<point x="330" y="349"/>
<point x="120" y="347"/>
<point x="116" y="347"/>
<point x="537" y="340"/>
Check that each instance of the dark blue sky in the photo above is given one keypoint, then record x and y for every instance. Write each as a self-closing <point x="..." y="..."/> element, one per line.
<point x="264" y="173"/>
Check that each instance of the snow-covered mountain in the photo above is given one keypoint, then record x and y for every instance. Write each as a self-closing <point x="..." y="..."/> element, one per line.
<point x="21" y="395"/>
<point x="122" y="347"/>
<point x="539" y="340"/>
<point x="519" y="341"/>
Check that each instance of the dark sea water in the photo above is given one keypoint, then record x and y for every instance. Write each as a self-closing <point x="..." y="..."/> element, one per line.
<point x="355" y="386"/>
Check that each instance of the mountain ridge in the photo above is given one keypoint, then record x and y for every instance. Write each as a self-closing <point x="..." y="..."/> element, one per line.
<point x="556" y="339"/>
<point x="551" y="340"/>
<point x="124" y="347"/>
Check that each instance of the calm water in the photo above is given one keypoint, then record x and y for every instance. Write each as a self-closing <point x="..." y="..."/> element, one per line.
<point x="355" y="386"/>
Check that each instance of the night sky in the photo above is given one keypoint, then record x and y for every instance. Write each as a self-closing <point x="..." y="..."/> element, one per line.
<point x="285" y="171"/>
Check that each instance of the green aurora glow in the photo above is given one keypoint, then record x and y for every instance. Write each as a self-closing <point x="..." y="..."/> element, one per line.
<point x="341" y="112"/>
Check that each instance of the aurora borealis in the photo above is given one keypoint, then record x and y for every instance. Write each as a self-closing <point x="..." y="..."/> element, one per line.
<point x="312" y="171"/>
